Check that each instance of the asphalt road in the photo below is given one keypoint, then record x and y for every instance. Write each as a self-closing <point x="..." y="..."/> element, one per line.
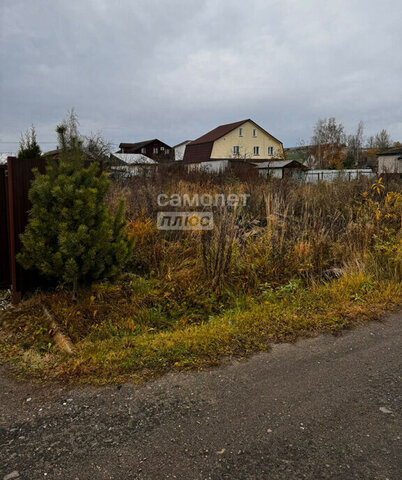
<point x="323" y="408"/>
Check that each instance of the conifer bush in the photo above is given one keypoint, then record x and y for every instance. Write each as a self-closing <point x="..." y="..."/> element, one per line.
<point x="72" y="236"/>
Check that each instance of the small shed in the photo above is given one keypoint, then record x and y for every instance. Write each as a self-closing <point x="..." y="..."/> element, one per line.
<point x="390" y="161"/>
<point x="282" y="169"/>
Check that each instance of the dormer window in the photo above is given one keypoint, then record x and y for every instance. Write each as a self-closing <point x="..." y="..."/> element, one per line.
<point x="254" y="132"/>
<point x="240" y="132"/>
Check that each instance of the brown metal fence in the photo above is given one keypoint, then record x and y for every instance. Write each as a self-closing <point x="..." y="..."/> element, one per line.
<point x="5" y="274"/>
<point x="15" y="182"/>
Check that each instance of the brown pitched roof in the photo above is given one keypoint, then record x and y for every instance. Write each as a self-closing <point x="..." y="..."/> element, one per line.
<point x="281" y="164"/>
<point x="222" y="130"/>
<point x="217" y="132"/>
<point x="182" y="143"/>
<point x="198" y="152"/>
<point x="137" y="145"/>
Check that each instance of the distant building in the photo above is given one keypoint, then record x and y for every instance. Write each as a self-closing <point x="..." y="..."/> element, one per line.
<point x="243" y="141"/>
<point x="131" y="159"/>
<point x="52" y="154"/>
<point x="179" y="150"/>
<point x="390" y="161"/>
<point x="282" y="169"/>
<point x="132" y="164"/>
<point x="159" y="151"/>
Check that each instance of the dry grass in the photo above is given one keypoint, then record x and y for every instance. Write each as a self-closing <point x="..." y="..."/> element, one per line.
<point x="275" y="316"/>
<point x="189" y="299"/>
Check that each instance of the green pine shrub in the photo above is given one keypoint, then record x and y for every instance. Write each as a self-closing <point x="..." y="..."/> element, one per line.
<point x="72" y="236"/>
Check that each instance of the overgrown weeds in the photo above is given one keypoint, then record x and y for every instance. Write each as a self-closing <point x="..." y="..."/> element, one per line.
<point x="286" y="230"/>
<point x="296" y="260"/>
<point x="118" y="351"/>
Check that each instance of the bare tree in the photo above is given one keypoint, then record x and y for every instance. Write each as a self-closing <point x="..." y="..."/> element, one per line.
<point x="377" y="143"/>
<point x="328" y="142"/>
<point x="94" y="146"/>
<point x="355" y="145"/>
<point x="98" y="148"/>
<point x="383" y="140"/>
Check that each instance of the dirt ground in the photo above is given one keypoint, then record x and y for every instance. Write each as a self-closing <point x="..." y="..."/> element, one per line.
<point x="323" y="408"/>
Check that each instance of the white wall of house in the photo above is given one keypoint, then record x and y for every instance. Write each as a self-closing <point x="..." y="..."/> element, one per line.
<point x="179" y="151"/>
<point x="389" y="164"/>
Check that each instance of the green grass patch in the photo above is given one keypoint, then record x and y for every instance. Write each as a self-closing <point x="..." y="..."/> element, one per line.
<point x="141" y="340"/>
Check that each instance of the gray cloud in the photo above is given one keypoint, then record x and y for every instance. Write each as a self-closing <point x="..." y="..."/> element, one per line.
<point x="144" y="69"/>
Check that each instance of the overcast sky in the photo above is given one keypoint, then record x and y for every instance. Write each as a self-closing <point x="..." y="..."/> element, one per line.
<point x="175" y="69"/>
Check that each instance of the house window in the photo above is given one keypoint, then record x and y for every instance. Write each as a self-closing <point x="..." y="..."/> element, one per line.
<point x="254" y="132"/>
<point x="162" y="148"/>
<point x="270" y="151"/>
<point x="143" y="150"/>
<point x="156" y="150"/>
<point x="256" y="151"/>
<point x="240" y="132"/>
<point x="236" y="150"/>
<point x="167" y="151"/>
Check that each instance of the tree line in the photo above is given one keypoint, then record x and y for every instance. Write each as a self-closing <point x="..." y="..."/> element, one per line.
<point x="332" y="147"/>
